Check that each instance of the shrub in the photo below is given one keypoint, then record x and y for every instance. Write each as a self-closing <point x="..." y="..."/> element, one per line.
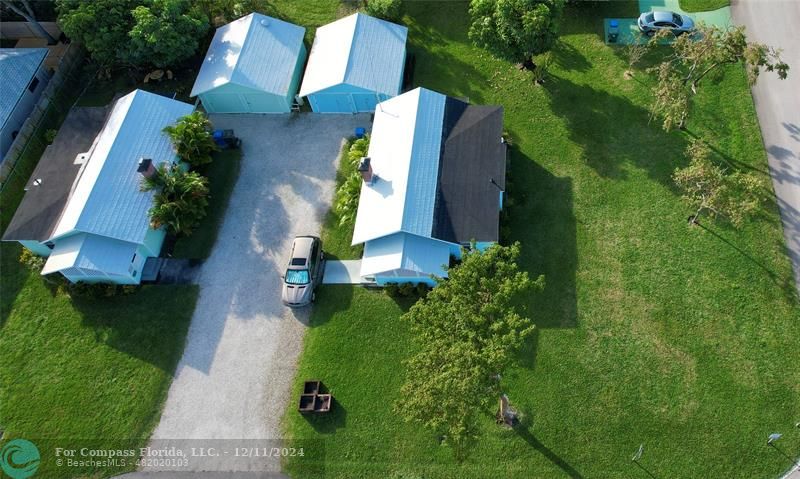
<point x="390" y="10"/>
<point x="422" y="290"/>
<point x="100" y="290"/>
<point x="406" y="289"/>
<point x="392" y="290"/>
<point x="50" y="136"/>
<point x="348" y="193"/>
<point x="181" y="200"/>
<point x="191" y="138"/>
<point x="31" y="261"/>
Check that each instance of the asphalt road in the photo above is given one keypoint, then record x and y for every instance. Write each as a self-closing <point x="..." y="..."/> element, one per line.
<point x="777" y="23"/>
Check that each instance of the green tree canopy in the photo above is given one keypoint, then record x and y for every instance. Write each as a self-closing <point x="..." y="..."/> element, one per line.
<point x="694" y="57"/>
<point x="165" y="32"/>
<point x="515" y="30"/>
<point x="140" y="33"/>
<point x="191" y="138"/>
<point x="710" y="189"/>
<point x="102" y="26"/>
<point x="467" y="328"/>
<point x="391" y="10"/>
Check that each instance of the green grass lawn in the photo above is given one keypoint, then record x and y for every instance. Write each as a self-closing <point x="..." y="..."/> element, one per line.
<point x="222" y="174"/>
<point x="81" y="371"/>
<point x="703" y="5"/>
<point x="648" y="332"/>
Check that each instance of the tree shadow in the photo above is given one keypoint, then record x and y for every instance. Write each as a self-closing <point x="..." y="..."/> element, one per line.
<point x="442" y="71"/>
<point x="629" y="138"/>
<point x="786" y="285"/>
<point x="543" y="221"/>
<point x="153" y="327"/>
<point x="525" y="433"/>
<point x="569" y="58"/>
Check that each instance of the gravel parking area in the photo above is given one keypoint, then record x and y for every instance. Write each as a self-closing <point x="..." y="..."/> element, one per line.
<point x="234" y="377"/>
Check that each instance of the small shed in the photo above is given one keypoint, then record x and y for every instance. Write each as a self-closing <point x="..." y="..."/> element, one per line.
<point x="23" y="77"/>
<point x="253" y="65"/>
<point x="355" y="63"/>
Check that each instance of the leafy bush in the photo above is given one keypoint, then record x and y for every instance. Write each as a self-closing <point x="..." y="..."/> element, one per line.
<point x="406" y="289"/>
<point x="392" y="290"/>
<point x="390" y="10"/>
<point x="100" y="290"/>
<point x="348" y="193"/>
<point x="50" y="136"/>
<point x="191" y="138"/>
<point x="31" y="261"/>
<point x="181" y="200"/>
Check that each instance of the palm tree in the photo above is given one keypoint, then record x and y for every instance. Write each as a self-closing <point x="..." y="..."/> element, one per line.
<point x="191" y="137"/>
<point x="181" y="199"/>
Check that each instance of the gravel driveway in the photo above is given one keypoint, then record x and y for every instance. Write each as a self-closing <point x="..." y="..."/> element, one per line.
<point x="234" y="377"/>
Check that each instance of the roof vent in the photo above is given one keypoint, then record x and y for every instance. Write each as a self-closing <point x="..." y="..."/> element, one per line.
<point x="146" y="167"/>
<point x="264" y="22"/>
<point x="365" y="169"/>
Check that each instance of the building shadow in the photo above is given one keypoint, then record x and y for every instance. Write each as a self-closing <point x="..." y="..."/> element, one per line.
<point x="629" y="138"/>
<point x="542" y="219"/>
<point x="14" y="275"/>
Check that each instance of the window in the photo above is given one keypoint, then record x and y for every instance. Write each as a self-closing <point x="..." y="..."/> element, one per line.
<point x="297" y="276"/>
<point x="33" y="85"/>
<point x="298" y="262"/>
<point x="676" y="19"/>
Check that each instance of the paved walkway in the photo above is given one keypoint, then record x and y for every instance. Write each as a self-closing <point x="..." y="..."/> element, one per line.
<point x="775" y="22"/>
<point x="342" y="272"/>
<point x="234" y="377"/>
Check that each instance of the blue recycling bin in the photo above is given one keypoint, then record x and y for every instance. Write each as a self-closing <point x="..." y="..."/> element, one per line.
<point x="360" y="132"/>
<point x="613" y="31"/>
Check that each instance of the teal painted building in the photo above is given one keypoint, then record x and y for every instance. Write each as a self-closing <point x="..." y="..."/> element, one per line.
<point x="434" y="186"/>
<point x="355" y="63"/>
<point x="253" y="65"/>
<point x="87" y="214"/>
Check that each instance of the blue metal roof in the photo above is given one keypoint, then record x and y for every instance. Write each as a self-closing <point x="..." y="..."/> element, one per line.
<point x="255" y="51"/>
<point x="377" y="55"/>
<point x="360" y="51"/>
<point x="107" y="199"/>
<point x="405" y="252"/>
<point x="423" y="175"/>
<point x="105" y="254"/>
<point x="17" y="68"/>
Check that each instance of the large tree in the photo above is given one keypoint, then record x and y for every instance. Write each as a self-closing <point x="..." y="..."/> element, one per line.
<point x="697" y="56"/>
<point x="467" y="329"/>
<point x="165" y="32"/>
<point x="515" y="30"/>
<point x="102" y="27"/>
<point x="711" y="189"/>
